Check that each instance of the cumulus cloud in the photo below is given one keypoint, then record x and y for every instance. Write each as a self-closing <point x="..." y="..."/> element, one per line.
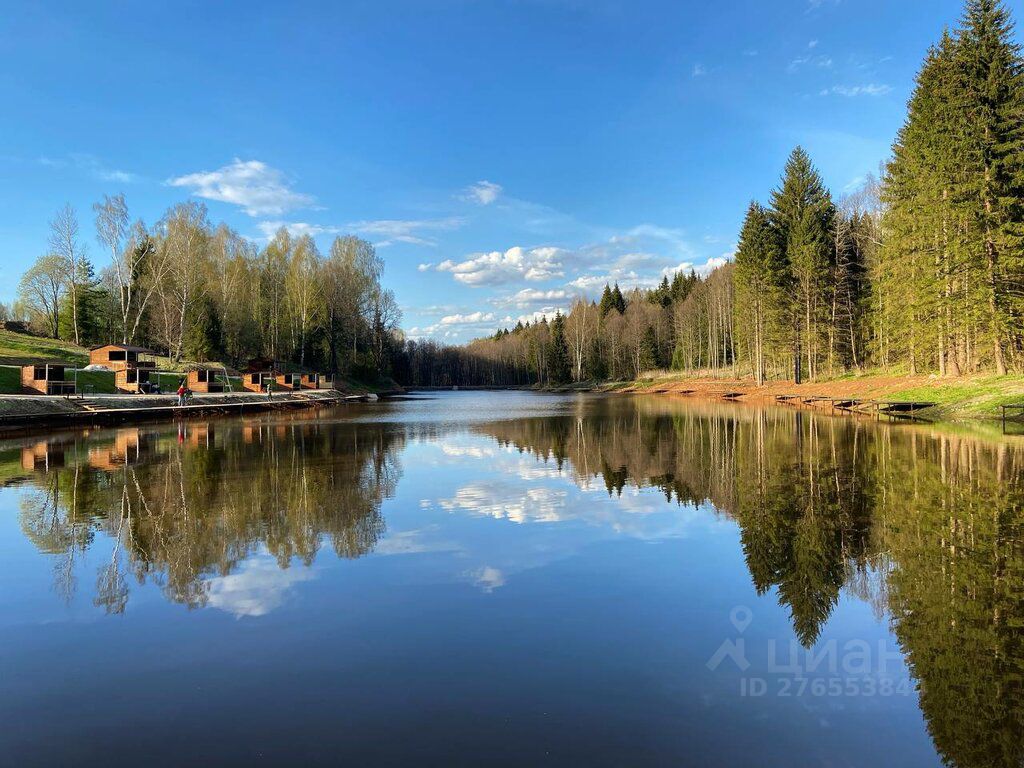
<point x="515" y="264"/>
<point x="482" y="193"/>
<point x="253" y="185"/>
<point x="852" y="91"/>
<point x="529" y="297"/>
<point x="473" y="318"/>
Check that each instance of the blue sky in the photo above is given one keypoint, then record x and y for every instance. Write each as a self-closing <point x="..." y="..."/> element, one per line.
<point x="505" y="155"/>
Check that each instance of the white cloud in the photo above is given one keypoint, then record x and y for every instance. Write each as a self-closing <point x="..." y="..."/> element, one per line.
<point x="530" y="296"/>
<point x="253" y="185"/>
<point x="89" y="164"/>
<point x="822" y="62"/>
<point x="295" y="228"/>
<point x="547" y="313"/>
<point x="411" y="231"/>
<point x="482" y="193"/>
<point x="515" y="264"/>
<point x="424" y="267"/>
<point x="852" y="91"/>
<point x="698" y="70"/>
<point x="473" y="318"/>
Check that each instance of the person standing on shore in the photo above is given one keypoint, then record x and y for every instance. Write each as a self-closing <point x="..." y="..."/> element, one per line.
<point x="182" y="391"/>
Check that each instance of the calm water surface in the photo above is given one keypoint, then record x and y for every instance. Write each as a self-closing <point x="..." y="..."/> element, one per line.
<point x="510" y="578"/>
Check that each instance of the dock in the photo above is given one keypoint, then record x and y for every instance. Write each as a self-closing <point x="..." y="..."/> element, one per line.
<point x="907" y="409"/>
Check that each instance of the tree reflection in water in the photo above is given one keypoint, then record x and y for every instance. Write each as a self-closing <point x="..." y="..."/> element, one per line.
<point x="184" y="506"/>
<point x="924" y="524"/>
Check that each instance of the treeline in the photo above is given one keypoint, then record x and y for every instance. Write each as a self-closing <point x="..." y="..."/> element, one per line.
<point x="921" y="271"/>
<point x="198" y="291"/>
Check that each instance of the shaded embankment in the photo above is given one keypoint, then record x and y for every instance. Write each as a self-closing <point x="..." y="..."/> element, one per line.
<point x="18" y="411"/>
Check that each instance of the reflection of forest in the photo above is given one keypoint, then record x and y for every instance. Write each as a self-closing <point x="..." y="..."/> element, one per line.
<point x="179" y="507"/>
<point x="927" y="526"/>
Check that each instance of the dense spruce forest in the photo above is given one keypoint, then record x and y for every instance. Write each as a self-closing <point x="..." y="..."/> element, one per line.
<point x="920" y="271"/>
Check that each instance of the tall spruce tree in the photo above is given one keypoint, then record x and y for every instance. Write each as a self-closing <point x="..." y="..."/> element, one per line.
<point x="993" y="95"/>
<point x="802" y="212"/>
<point x="760" y="272"/>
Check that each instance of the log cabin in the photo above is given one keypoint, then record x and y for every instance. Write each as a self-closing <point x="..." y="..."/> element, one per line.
<point x="46" y="378"/>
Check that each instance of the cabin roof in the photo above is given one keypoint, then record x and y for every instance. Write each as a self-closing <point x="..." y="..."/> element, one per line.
<point x="125" y="347"/>
<point x="51" y="363"/>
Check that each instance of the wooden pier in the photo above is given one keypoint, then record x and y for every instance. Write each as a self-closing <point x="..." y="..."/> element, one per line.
<point x="907" y="409"/>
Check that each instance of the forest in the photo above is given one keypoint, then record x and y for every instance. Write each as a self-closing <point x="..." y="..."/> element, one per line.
<point x="202" y="292"/>
<point x="918" y="271"/>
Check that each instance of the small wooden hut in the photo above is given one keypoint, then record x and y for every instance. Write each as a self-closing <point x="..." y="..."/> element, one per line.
<point x="202" y="379"/>
<point x="133" y="380"/>
<point x="256" y="381"/>
<point x="287" y="381"/>
<point x="46" y="378"/>
<point x="118" y="357"/>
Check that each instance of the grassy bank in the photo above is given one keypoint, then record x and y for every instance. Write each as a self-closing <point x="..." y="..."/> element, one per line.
<point x="964" y="397"/>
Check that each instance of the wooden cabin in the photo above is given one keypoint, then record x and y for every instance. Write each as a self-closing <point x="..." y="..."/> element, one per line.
<point x="317" y="381"/>
<point x="46" y="378"/>
<point x="256" y="381"/>
<point x="117" y="357"/>
<point x="205" y="380"/>
<point x="134" y="380"/>
<point x="287" y="381"/>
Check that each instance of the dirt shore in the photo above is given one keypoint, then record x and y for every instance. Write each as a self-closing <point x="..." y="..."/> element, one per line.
<point x="969" y="397"/>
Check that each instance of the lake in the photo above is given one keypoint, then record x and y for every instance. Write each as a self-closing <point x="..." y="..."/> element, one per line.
<point x="511" y="578"/>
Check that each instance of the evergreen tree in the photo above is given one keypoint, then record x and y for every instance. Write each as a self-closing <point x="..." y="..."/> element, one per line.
<point x="760" y="272"/>
<point x="993" y="94"/>
<point x="618" y="301"/>
<point x="558" y="352"/>
<point x="802" y="213"/>
<point x="607" y="302"/>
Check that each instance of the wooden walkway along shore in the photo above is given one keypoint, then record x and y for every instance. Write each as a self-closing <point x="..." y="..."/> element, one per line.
<point x="892" y="408"/>
<point x="99" y="409"/>
<point x="1019" y="407"/>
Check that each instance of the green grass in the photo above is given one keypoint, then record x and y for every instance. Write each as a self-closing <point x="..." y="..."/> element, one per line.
<point x="21" y="349"/>
<point x="978" y="396"/>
